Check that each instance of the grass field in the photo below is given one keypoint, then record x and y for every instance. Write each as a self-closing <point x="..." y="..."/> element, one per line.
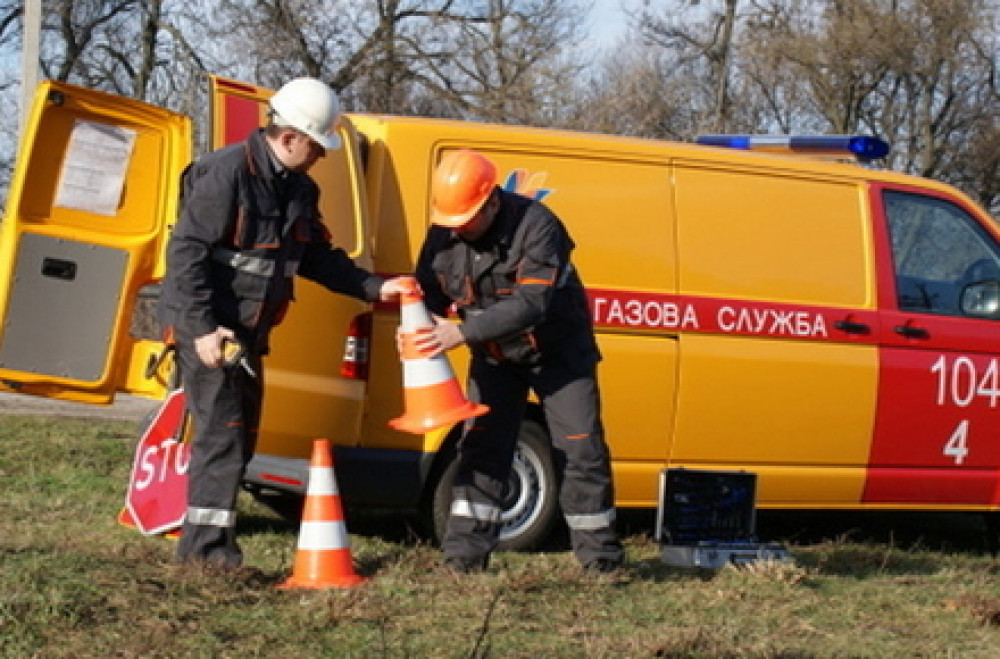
<point x="75" y="584"/>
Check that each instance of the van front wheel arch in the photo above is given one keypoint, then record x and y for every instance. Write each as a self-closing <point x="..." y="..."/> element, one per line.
<point x="530" y="507"/>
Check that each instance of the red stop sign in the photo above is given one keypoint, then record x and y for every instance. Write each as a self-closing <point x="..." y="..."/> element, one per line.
<point x="157" y="489"/>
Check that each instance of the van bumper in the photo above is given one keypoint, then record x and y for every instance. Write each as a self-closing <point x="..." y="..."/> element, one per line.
<point x="390" y="478"/>
<point x="376" y="478"/>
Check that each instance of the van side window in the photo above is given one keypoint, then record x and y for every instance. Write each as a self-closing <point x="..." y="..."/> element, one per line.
<point x="937" y="249"/>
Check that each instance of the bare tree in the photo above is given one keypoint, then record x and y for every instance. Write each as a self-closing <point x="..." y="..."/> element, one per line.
<point x="639" y="92"/>
<point x="134" y="48"/>
<point x="920" y="73"/>
<point x="11" y="12"/>
<point x="706" y="39"/>
<point x="494" y="59"/>
<point x="71" y="29"/>
<point x="130" y="47"/>
<point x="917" y="72"/>
<point x="502" y="62"/>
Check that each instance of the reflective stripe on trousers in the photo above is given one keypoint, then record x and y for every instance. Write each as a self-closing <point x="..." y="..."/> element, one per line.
<point x="482" y="512"/>
<point x="211" y="517"/>
<point x="591" y="522"/>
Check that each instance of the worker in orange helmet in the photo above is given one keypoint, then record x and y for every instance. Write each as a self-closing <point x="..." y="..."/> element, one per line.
<point x="503" y="261"/>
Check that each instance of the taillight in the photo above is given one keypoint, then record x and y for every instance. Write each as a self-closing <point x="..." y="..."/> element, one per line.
<point x="356" y="348"/>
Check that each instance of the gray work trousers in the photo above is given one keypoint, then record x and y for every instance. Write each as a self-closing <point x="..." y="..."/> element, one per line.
<point x="225" y="406"/>
<point x="571" y="404"/>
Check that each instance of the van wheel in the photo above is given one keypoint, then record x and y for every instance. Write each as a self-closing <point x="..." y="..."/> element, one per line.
<point x="530" y="507"/>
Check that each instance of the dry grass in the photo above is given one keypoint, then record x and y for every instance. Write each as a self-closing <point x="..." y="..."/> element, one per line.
<point x="74" y="584"/>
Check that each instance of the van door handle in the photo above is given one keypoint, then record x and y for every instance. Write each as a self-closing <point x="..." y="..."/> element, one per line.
<point x="852" y="327"/>
<point x="911" y="332"/>
<point x="58" y="269"/>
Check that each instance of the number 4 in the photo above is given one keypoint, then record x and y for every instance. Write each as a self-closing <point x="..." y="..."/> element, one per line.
<point x="988" y="384"/>
<point x="957" y="445"/>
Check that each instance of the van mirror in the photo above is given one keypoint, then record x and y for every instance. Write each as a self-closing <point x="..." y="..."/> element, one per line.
<point x="981" y="299"/>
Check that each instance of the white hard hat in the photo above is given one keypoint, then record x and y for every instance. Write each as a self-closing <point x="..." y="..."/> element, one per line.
<point x="308" y="105"/>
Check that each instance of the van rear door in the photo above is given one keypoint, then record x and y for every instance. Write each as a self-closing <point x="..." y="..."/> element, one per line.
<point x="94" y="187"/>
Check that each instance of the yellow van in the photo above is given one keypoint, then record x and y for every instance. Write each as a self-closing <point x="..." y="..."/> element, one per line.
<point x="770" y="305"/>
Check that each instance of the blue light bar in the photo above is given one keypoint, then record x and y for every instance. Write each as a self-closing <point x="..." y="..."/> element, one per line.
<point x="861" y="147"/>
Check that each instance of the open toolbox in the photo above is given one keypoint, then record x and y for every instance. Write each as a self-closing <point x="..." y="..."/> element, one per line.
<point x="707" y="519"/>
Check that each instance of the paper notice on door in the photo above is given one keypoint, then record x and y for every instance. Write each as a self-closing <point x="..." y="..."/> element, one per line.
<point x="93" y="172"/>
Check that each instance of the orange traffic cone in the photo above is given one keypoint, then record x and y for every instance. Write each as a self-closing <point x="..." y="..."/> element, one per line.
<point x="125" y="518"/>
<point x="323" y="556"/>
<point x="433" y="397"/>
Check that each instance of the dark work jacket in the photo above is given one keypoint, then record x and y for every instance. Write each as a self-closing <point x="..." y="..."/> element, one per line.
<point x="243" y="233"/>
<point x="520" y="299"/>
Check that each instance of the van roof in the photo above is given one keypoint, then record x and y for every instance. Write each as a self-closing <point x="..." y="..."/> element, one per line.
<point x="444" y="133"/>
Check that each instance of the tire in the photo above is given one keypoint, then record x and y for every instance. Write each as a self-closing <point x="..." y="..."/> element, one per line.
<point x="530" y="507"/>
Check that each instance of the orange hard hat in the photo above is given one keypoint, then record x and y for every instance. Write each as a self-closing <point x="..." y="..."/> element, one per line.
<point x="463" y="181"/>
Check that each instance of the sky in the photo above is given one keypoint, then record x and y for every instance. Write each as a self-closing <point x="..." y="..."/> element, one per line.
<point x="607" y="21"/>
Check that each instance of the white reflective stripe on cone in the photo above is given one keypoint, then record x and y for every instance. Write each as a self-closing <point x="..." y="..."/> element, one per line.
<point x="415" y="316"/>
<point x="323" y="535"/>
<point x="591" y="522"/>
<point x="479" y="511"/>
<point x="426" y="372"/>
<point x="212" y="517"/>
<point x="321" y="481"/>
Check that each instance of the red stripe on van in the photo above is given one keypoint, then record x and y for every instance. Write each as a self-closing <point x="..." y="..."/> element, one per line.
<point x="658" y="312"/>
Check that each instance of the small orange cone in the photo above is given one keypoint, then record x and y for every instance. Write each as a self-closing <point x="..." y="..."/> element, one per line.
<point x="433" y="397"/>
<point x="323" y="556"/>
<point x="125" y="519"/>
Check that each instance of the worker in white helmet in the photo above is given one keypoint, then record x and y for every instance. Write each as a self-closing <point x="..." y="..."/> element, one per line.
<point x="249" y="222"/>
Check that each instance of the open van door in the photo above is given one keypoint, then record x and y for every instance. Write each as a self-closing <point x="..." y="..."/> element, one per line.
<point x="316" y="373"/>
<point x="84" y="232"/>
